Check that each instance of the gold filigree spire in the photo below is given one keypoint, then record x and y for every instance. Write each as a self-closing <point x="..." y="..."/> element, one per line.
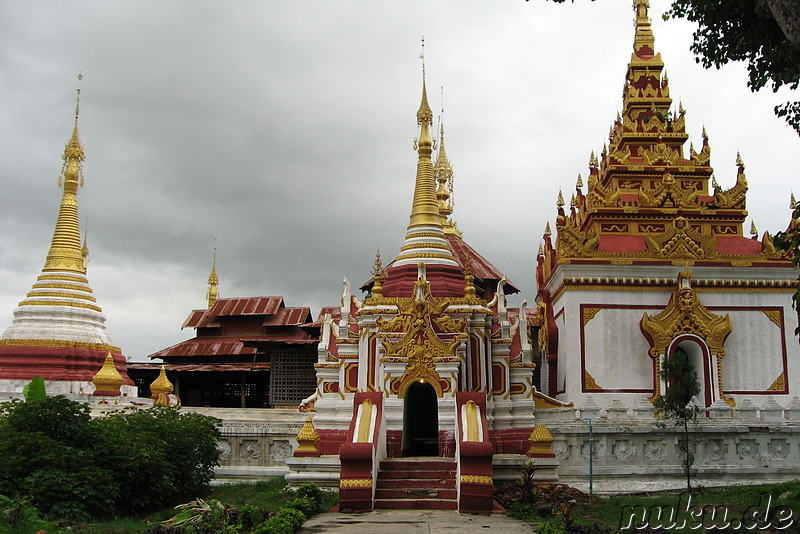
<point x="560" y="200"/>
<point x="443" y="174"/>
<point x="66" y="253"/>
<point x="792" y="202"/>
<point x="753" y="231"/>
<point x="579" y="183"/>
<point x="425" y="241"/>
<point x="213" y="280"/>
<point x="644" y="32"/>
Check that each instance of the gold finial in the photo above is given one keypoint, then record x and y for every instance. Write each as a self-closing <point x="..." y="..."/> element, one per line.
<point x="65" y="250"/>
<point x="573" y="201"/>
<point x="547" y="231"/>
<point x="705" y="135"/>
<point x="593" y="161"/>
<point x="541" y="249"/>
<point x="378" y="275"/>
<point x="541" y="443"/>
<point x="680" y="107"/>
<point x="714" y="183"/>
<point x="792" y="202"/>
<point x="604" y="153"/>
<point x="162" y="384"/>
<point x="739" y="161"/>
<point x="213" y="280"/>
<point x="107" y="381"/>
<point x="161" y="388"/>
<point x="753" y="231"/>
<point x="560" y="201"/>
<point x="579" y="183"/>
<point x="307" y="438"/>
<point x="378" y="266"/>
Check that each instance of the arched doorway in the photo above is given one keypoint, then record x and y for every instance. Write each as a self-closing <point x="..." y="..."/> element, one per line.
<point x="696" y="353"/>
<point x="420" y="420"/>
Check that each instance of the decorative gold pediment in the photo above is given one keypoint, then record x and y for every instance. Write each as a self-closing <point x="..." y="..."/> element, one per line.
<point x="682" y="242"/>
<point x="659" y="154"/>
<point x="667" y="194"/>
<point x="685" y="314"/>
<point x="421" y="346"/>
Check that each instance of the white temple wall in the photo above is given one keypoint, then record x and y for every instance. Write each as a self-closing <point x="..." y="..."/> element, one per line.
<point x="603" y="352"/>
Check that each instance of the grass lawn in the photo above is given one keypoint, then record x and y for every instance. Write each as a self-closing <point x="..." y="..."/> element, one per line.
<point x="269" y="494"/>
<point x="771" y="507"/>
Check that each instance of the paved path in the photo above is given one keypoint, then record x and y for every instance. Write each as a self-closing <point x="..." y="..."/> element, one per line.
<point x="412" y="522"/>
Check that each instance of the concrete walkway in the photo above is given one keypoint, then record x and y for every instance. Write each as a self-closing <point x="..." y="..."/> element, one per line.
<point x="411" y="522"/>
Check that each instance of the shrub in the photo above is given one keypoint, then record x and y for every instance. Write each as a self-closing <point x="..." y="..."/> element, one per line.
<point x="74" y="467"/>
<point x="295" y="517"/>
<point x="314" y="494"/>
<point x="303" y="505"/>
<point x="275" y="525"/>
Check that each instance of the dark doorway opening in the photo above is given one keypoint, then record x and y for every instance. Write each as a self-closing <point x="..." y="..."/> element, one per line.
<point x="420" y="421"/>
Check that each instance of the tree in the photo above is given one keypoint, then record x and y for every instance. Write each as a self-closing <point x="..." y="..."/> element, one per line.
<point x="790" y="242"/>
<point x="677" y="404"/>
<point x="71" y="466"/>
<point x="763" y="33"/>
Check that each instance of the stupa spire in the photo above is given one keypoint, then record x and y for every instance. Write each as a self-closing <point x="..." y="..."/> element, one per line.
<point x="59" y="331"/>
<point x="425" y="241"/>
<point x="213" y="280"/>
<point x="66" y="252"/>
<point x="443" y="173"/>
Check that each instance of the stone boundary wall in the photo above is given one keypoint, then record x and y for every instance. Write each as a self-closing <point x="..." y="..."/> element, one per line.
<point x="633" y="451"/>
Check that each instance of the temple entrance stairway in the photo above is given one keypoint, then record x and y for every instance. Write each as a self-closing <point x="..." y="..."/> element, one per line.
<point x="417" y="483"/>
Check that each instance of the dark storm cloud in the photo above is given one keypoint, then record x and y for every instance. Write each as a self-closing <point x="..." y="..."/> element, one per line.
<point x="284" y="130"/>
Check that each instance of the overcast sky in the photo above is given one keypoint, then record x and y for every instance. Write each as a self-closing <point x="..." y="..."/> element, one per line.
<point x="285" y="129"/>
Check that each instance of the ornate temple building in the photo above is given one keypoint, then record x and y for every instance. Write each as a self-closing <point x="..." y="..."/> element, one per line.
<point x="58" y="331"/>
<point x="650" y="258"/>
<point x="430" y="364"/>
<point x="248" y="352"/>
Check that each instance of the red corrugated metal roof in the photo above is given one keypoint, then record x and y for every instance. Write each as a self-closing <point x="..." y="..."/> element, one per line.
<point x="247" y="306"/>
<point x="214" y="346"/>
<point x="235" y="306"/>
<point x="228" y="346"/>
<point x="289" y="316"/>
<point x="480" y="266"/>
<point x="233" y="366"/>
<point x="193" y="319"/>
<point x="530" y="315"/>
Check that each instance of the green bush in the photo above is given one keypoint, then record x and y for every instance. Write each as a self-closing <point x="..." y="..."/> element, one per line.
<point x="295" y="517"/>
<point x="314" y="494"/>
<point x="302" y="504"/>
<point x="275" y="525"/>
<point x="75" y="467"/>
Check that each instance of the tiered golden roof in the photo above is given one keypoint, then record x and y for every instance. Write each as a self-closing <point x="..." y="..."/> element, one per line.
<point x="646" y="199"/>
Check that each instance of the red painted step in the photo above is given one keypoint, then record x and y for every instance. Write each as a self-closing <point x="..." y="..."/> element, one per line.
<point x="417" y="484"/>
<point x="425" y="504"/>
